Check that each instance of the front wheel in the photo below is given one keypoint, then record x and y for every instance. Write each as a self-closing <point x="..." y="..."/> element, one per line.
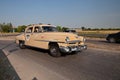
<point x="54" y="50"/>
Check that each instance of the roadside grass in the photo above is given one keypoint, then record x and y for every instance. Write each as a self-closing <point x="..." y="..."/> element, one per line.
<point x="97" y="33"/>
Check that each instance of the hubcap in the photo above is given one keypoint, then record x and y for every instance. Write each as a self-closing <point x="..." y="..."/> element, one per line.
<point x="53" y="50"/>
<point x="21" y="44"/>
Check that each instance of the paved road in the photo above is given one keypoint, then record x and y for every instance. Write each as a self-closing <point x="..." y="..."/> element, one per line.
<point x="103" y="44"/>
<point x="92" y="64"/>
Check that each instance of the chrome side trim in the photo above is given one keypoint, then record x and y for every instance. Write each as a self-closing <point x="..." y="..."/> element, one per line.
<point x="50" y="41"/>
<point x="72" y="42"/>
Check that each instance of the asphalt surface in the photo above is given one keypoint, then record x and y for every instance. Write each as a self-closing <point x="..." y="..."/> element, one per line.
<point x="92" y="64"/>
<point x="7" y="72"/>
<point x="102" y="44"/>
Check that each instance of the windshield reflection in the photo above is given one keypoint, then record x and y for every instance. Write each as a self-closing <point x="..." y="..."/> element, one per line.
<point x="49" y="29"/>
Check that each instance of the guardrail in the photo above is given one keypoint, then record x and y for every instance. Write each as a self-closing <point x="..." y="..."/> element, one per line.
<point x="8" y="34"/>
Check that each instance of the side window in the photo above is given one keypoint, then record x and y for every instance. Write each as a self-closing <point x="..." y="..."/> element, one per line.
<point x="37" y="29"/>
<point x="40" y="30"/>
<point x="29" y="30"/>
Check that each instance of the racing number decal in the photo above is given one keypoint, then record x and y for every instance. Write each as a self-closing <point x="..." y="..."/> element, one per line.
<point x="27" y="37"/>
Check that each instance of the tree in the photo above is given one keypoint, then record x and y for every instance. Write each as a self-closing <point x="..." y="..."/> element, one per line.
<point x="21" y="28"/>
<point x="64" y="29"/>
<point x="59" y="28"/>
<point x="83" y="28"/>
<point x="6" y="27"/>
<point x="88" y="28"/>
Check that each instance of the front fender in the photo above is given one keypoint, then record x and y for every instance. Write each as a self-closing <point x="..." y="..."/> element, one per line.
<point x="19" y="38"/>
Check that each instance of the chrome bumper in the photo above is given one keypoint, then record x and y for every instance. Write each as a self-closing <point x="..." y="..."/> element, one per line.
<point x="73" y="48"/>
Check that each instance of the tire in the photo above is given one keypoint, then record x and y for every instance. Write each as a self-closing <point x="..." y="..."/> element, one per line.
<point x="54" y="50"/>
<point x="111" y="40"/>
<point x="22" y="45"/>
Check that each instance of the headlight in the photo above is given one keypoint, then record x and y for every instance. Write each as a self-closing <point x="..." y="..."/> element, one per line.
<point x="67" y="39"/>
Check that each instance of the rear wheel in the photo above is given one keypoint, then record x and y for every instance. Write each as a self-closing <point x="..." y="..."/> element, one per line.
<point x="54" y="50"/>
<point x="22" y="44"/>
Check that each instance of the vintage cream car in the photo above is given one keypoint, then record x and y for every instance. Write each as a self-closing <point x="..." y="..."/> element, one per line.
<point x="47" y="37"/>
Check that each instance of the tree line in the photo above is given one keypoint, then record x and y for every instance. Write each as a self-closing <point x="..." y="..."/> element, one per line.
<point x="85" y="28"/>
<point x="8" y="27"/>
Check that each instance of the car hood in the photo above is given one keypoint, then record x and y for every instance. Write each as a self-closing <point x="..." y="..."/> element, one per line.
<point x="60" y="36"/>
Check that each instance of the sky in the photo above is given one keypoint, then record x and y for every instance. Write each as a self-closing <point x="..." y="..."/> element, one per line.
<point x="67" y="13"/>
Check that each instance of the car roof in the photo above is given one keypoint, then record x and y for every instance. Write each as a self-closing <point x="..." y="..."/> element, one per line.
<point x="32" y="25"/>
<point x="40" y="25"/>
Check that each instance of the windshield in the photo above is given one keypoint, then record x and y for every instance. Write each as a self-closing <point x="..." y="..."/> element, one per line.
<point x="49" y="29"/>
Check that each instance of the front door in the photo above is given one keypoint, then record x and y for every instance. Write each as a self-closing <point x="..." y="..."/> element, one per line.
<point x="37" y="38"/>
